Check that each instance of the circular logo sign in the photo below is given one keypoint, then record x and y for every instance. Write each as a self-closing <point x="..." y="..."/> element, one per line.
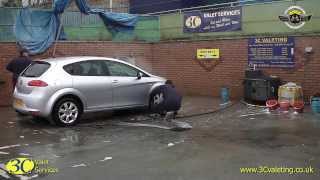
<point x="193" y="22"/>
<point x="295" y="17"/>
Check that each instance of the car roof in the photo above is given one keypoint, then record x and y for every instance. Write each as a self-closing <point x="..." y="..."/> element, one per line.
<point x="73" y="59"/>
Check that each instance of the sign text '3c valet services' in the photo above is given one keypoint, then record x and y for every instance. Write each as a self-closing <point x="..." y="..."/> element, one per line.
<point x="218" y="20"/>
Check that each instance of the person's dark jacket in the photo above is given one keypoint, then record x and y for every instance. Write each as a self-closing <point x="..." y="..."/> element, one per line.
<point x="17" y="65"/>
<point x="171" y="99"/>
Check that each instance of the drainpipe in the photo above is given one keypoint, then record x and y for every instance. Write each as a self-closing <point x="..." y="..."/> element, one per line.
<point x="57" y="37"/>
<point x="110" y="5"/>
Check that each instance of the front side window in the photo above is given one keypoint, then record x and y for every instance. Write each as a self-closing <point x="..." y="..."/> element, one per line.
<point x="120" y="69"/>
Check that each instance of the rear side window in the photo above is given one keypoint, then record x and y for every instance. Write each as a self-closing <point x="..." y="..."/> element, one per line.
<point x="87" y="68"/>
<point x="36" y="69"/>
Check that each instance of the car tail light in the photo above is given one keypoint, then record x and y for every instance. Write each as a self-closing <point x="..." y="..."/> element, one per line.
<point x="37" y="83"/>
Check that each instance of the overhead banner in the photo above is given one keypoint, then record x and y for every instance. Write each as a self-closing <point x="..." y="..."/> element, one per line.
<point x="271" y="52"/>
<point x="218" y="20"/>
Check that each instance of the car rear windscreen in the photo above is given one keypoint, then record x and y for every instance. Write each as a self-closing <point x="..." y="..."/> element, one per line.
<point x="36" y="69"/>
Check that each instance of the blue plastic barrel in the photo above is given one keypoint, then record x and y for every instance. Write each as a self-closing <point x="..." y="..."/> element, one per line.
<point x="224" y="95"/>
<point x="315" y="104"/>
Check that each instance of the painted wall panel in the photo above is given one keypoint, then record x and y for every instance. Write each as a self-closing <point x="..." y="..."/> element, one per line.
<point x="258" y="19"/>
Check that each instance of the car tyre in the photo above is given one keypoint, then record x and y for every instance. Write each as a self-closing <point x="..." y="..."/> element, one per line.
<point x="20" y="114"/>
<point x="67" y="112"/>
<point x="40" y="120"/>
<point x="156" y="102"/>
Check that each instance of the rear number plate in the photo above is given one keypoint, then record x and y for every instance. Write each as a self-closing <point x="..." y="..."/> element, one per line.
<point x="18" y="102"/>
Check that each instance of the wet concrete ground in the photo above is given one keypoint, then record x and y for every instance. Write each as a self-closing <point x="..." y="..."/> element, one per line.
<point x="216" y="148"/>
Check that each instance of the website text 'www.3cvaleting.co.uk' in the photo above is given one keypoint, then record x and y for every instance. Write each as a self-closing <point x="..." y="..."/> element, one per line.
<point x="278" y="170"/>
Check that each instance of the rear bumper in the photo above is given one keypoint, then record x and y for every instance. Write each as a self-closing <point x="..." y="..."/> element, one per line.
<point x="30" y="104"/>
<point x="27" y="111"/>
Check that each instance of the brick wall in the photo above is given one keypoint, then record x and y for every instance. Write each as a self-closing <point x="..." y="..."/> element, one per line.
<point x="176" y="61"/>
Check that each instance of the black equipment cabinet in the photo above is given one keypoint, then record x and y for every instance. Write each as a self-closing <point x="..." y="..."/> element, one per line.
<point x="261" y="89"/>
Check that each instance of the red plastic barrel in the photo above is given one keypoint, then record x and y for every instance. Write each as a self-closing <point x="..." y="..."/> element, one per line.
<point x="298" y="106"/>
<point x="284" y="105"/>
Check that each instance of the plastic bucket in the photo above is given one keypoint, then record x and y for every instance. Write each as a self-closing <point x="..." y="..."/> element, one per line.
<point x="272" y="104"/>
<point x="284" y="105"/>
<point x="315" y="104"/>
<point x="298" y="106"/>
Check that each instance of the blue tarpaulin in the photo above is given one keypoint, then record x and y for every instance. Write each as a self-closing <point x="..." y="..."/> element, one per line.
<point x="114" y="21"/>
<point x="36" y="30"/>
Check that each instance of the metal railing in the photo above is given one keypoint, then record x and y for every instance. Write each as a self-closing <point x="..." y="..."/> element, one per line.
<point x="108" y="5"/>
<point x="216" y="6"/>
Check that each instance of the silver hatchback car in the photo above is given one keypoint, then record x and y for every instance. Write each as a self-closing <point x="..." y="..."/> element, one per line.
<point x="62" y="89"/>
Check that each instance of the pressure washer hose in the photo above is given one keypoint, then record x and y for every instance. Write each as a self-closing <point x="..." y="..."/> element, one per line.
<point x="179" y="117"/>
<point x="206" y="113"/>
<point x="218" y="110"/>
<point x="251" y="105"/>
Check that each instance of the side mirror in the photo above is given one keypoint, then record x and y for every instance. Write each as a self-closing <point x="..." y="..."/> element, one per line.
<point x="139" y="75"/>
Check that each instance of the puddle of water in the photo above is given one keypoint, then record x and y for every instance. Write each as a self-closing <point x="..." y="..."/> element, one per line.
<point x="24" y="154"/>
<point x="180" y="126"/>
<point x="4" y="174"/>
<point x="173" y="125"/>
<point x="27" y="177"/>
<point x="142" y="125"/>
<point x="10" y="146"/>
<point x="79" y="165"/>
<point x="4" y="153"/>
<point x="106" y="159"/>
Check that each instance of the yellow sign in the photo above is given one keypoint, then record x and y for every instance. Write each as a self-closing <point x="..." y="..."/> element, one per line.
<point x="208" y="53"/>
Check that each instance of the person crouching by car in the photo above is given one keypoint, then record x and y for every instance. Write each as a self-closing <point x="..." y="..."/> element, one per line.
<point x="18" y="64"/>
<point x="166" y="100"/>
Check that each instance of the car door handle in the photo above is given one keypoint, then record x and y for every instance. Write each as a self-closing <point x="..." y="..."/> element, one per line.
<point x="115" y="81"/>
